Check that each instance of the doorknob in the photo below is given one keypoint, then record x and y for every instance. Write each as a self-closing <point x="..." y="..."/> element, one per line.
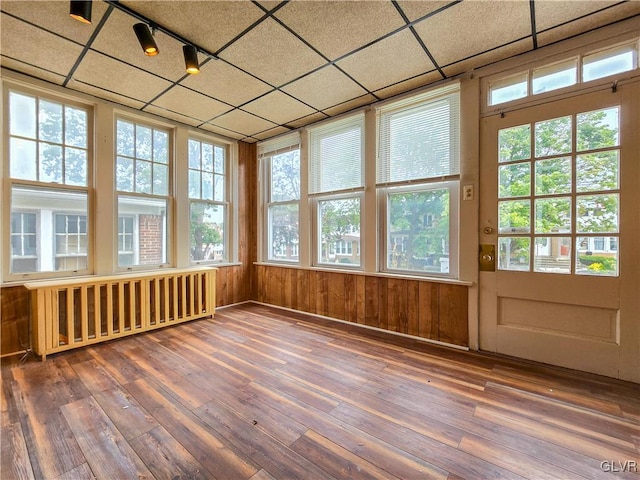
<point x="487" y="258"/>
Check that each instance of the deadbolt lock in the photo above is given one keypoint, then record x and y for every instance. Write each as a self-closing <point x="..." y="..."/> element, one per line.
<point x="487" y="258"/>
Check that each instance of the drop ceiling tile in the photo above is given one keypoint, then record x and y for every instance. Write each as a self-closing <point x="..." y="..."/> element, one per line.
<point x="595" y="20"/>
<point x="249" y="140"/>
<point x="550" y="14"/>
<point x="489" y="57"/>
<point x="105" y="94"/>
<point x="225" y="82"/>
<point x="32" y="71"/>
<point x="269" y="4"/>
<point x="190" y="103"/>
<point x="273" y="54"/>
<point x="278" y="107"/>
<point x="418" y="9"/>
<point x="309" y="119"/>
<point x="502" y="22"/>
<point x="271" y="133"/>
<point x="338" y="27"/>
<point x="242" y="122"/>
<point x="109" y="74"/>
<point x="164" y="113"/>
<point x="118" y="40"/>
<point x="43" y="49"/>
<point x="350" y="105"/>
<point x="388" y="61"/>
<point x="209" y="25"/>
<point x="222" y="131"/>
<point x="54" y="16"/>
<point x="324" y="88"/>
<point x="402" y="87"/>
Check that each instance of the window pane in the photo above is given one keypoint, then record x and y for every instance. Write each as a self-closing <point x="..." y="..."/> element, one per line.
<point x="23" y="159"/>
<point x="207" y="232"/>
<point x="207" y="186"/>
<point x="150" y="244"/>
<point x="219" y="159"/>
<point x="283" y="232"/>
<point x="553" y="215"/>
<point x="554" y="77"/>
<point x="50" y="121"/>
<point x="597" y="213"/>
<point x="515" y="180"/>
<point x="26" y="233"/>
<point x="218" y="188"/>
<point x="143" y="142"/>
<point x="160" y="179"/>
<point x="75" y="133"/>
<point x="22" y="115"/>
<point x="285" y="176"/>
<point x="124" y="174"/>
<point x="338" y="220"/>
<point x="553" y="176"/>
<point x="514" y="253"/>
<point x="597" y="261"/>
<point x="125" y="139"/>
<point x="599" y="129"/>
<point x="598" y="171"/>
<point x="75" y="166"/>
<point x="609" y="62"/>
<point x="160" y="146"/>
<point x="194" y="184"/>
<point x="207" y="157"/>
<point x="419" y="231"/>
<point x="143" y="176"/>
<point x="194" y="154"/>
<point x="50" y="163"/>
<point x="514" y="144"/>
<point x="508" y="89"/>
<point x="553" y="137"/>
<point x="514" y="216"/>
<point x="552" y="255"/>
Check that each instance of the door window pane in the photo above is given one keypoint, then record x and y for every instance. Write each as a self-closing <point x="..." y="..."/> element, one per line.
<point x="553" y="176"/>
<point x="514" y="253"/>
<point x="515" y="180"/>
<point x="508" y="89"/>
<point x="592" y="261"/>
<point x="553" y="215"/>
<point x="514" y="144"/>
<point x="553" y="137"/>
<point x="552" y="255"/>
<point x="598" y="129"/>
<point x="598" y="171"/>
<point x="556" y="76"/>
<point x="514" y="216"/>
<point x="597" y="213"/>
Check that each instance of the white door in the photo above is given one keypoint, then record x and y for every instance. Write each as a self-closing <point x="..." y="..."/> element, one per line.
<point x="560" y="202"/>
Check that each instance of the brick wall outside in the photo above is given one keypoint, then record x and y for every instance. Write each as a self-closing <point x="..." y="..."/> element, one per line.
<point x="150" y="231"/>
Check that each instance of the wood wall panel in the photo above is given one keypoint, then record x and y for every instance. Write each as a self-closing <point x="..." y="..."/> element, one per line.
<point x="14" y="315"/>
<point x="436" y="311"/>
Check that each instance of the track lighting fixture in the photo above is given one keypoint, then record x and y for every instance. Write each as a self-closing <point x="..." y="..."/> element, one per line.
<point x="191" y="59"/>
<point x="145" y="37"/>
<point x="81" y="10"/>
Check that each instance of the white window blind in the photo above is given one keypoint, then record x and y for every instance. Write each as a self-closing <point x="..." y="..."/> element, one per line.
<point x="420" y="139"/>
<point x="335" y="154"/>
<point x="282" y="144"/>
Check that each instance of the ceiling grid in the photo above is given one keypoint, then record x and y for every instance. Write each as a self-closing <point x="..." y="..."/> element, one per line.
<point x="278" y="66"/>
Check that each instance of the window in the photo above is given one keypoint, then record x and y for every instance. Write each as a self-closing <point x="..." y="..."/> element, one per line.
<point x="562" y="191"/>
<point x="336" y="184"/>
<point x="49" y="165"/>
<point x="418" y="180"/>
<point x="143" y="187"/>
<point x="280" y="160"/>
<point x="126" y="234"/>
<point x="612" y="61"/>
<point x="209" y="205"/>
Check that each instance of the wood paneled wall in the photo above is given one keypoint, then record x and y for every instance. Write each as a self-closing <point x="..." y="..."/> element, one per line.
<point x="438" y="311"/>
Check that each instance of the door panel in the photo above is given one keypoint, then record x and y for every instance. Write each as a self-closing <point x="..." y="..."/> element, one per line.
<point x="560" y="203"/>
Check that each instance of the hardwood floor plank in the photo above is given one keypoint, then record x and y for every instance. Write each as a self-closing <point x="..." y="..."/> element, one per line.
<point x="15" y="457"/>
<point x="82" y="472"/>
<point x="106" y="450"/>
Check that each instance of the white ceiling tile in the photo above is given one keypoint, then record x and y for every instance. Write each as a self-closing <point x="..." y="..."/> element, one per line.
<point x="502" y="22"/>
<point x="301" y="122"/>
<point x="389" y="61"/>
<point x="489" y="57"/>
<point x="410" y="84"/>
<point x="325" y="88"/>
<point x="32" y="71"/>
<point x="350" y="105"/>
<point x="242" y="122"/>
<point x="190" y="103"/>
<point x="222" y="131"/>
<point x="249" y="140"/>
<point x="336" y="28"/>
<point x="53" y="15"/>
<point x="552" y="13"/>
<point x="208" y="24"/>
<point x="417" y="9"/>
<point x="272" y="53"/>
<point x="43" y="49"/>
<point x="105" y="94"/>
<point x="225" y="82"/>
<point x="278" y="107"/>
<point x="162" y="112"/>
<point x="271" y="133"/>
<point x="109" y="74"/>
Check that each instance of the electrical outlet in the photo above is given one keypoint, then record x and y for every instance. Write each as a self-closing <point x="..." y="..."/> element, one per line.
<point x="467" y="192"/>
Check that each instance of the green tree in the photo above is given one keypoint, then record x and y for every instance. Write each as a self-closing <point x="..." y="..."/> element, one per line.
<point x="337" y="218"/>
<point x="204" y="232"/>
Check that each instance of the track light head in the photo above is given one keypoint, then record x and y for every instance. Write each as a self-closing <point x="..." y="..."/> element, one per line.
<point x="145" y="37"/>
<point x="80" y="10"/>
<point x="191" y="59"/>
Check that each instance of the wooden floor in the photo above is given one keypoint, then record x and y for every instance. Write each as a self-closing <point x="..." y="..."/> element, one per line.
<point x="260" y="393"/>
